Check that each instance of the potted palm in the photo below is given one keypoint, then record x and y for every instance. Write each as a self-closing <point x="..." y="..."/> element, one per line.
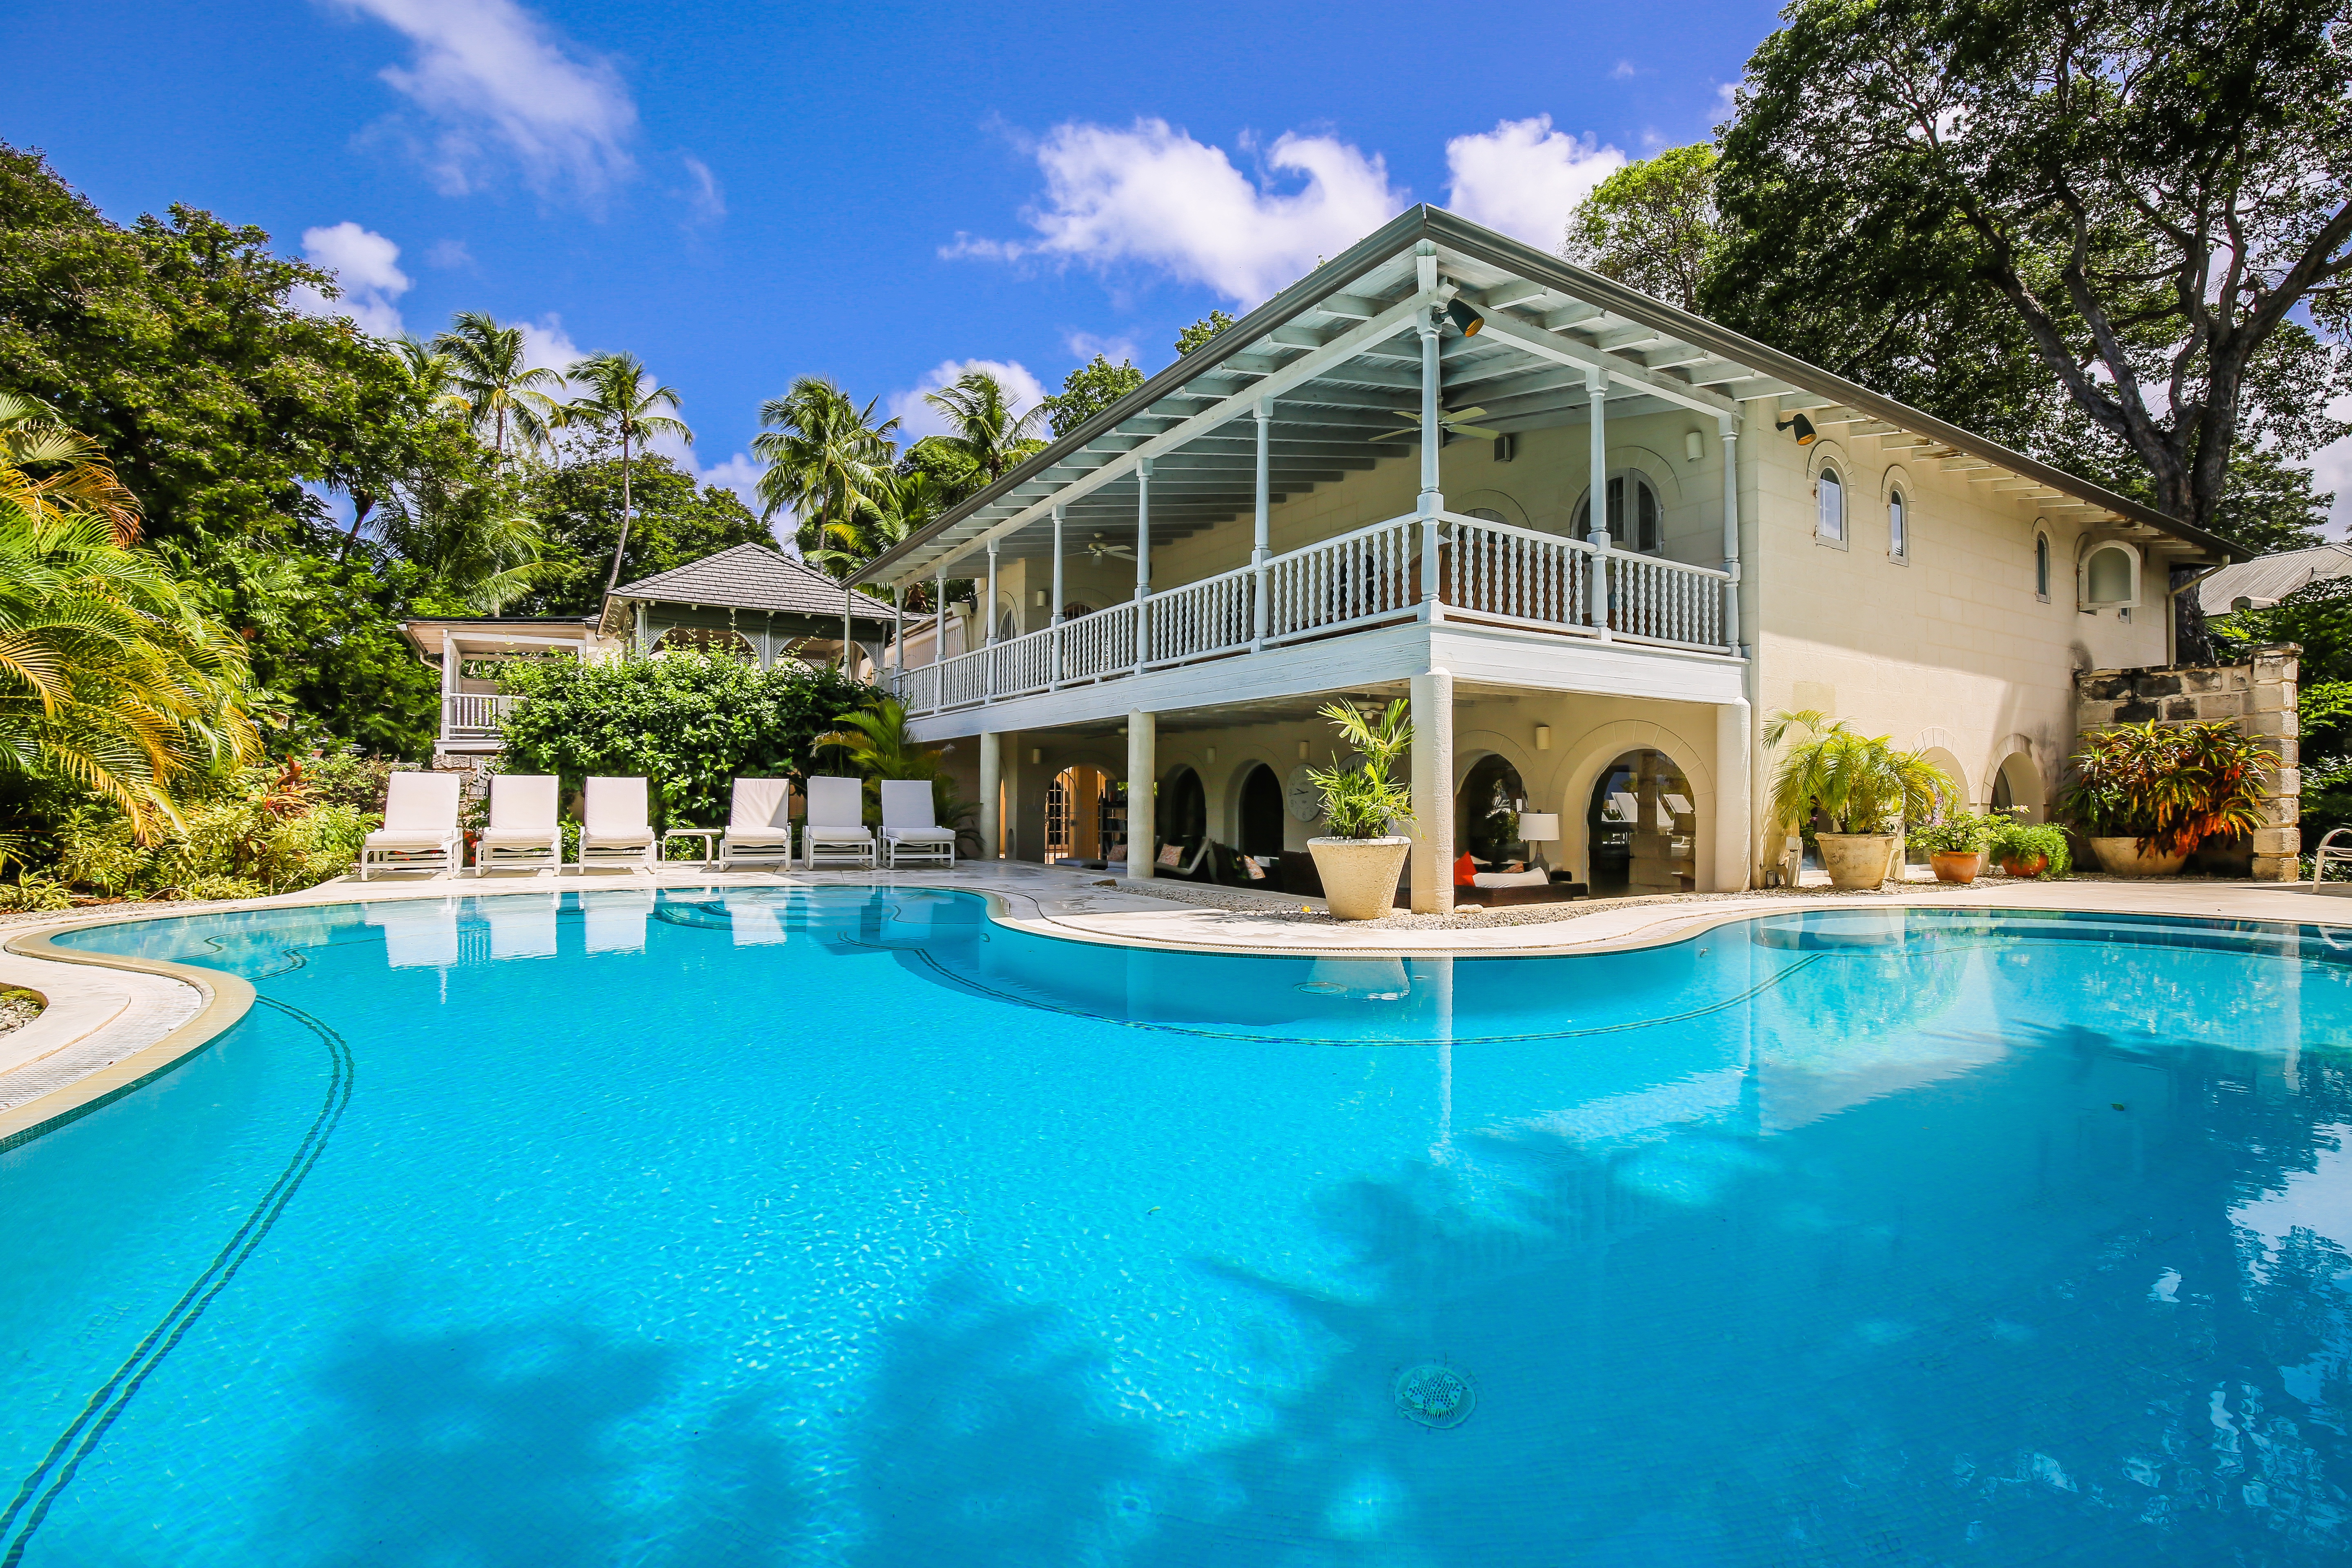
<point x="2147" y="795"/>
<point x="1955" y="846"/>
<point x="1863" y="789"/>
<point x="1360" y="859"/>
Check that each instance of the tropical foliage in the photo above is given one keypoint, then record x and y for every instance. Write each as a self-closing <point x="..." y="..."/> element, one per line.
<point x="485" y="368"/>
<point x="261" y="830"/>
<point x="875" y="742"/>
<point x="1954" y="833"/>
<point x="1362" y="796"/>
<point x="1652" y="226"/>
<point x="619" y="405"/>
<point x="1088" y="390"/>
<point x="2169" y="787"/>
<point x="2016" y="843"/>
<point x="691" y="723"/>
<point x="1857" y="782"/>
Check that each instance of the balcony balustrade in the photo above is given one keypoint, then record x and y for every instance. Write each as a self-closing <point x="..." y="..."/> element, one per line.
<point x="1487" y="572"/>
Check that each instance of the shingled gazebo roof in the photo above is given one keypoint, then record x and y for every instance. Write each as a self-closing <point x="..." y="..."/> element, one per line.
<point x="749" y="577"/>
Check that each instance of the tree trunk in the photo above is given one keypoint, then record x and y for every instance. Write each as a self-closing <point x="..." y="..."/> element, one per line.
<point x="361" y="504"/>
<point x="611" y="581"/>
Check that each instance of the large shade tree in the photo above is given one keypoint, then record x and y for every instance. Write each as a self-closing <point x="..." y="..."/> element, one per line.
<point x="2141" y="203"/>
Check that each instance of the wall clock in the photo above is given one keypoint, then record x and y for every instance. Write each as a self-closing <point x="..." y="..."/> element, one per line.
<point x="1300" y="795"/>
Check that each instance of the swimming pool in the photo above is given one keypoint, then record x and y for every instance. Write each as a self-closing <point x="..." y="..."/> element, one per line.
<point x="847" y="1227"/>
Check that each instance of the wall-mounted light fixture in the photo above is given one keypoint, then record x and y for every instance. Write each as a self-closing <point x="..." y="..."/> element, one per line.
<point x="1459" y="313"/>
<point x="1693" y="446"/>
<point x="1806" y="434"/>
<point x="1543" y="737"/>
<point x="1211" y="753"/>
<point x="1506" y="446"/>
<point x="1302" y="751"/>
<point x="1036" y="756"/>
<point x="1039" y="600"/>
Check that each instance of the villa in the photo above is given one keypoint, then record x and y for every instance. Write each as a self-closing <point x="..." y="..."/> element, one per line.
<point x="1379" y="484"/>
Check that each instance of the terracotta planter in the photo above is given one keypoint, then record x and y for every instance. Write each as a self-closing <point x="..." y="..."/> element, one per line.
<point x="1957" y="865"/>
<point x="2121" y="857"/>
<point x="1360" y="875"/>
<point x="1856" y="862"/>
<point x="2026" y="866"/>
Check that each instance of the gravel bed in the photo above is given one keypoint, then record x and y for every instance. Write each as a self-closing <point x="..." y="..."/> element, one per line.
<point x="17" y="1008"/>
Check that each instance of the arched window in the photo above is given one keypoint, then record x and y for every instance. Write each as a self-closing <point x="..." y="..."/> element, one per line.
<point x="2042" y="566"/>
<point x="1644" y="529"/>
<point x="2110" y="577"/>
<point x="1898" y="527"/>
<point x="1828" y="492"/>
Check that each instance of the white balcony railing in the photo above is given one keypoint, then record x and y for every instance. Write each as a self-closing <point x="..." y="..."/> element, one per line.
<point x="474" y="716"/>
<point x="1485" y="572"/>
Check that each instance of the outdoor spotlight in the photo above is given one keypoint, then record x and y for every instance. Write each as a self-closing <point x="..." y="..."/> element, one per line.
<point x="1463" y="317"/>
<point x="1806" y="434"/>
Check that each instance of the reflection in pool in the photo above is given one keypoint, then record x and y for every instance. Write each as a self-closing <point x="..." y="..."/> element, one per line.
<point x="838" y="1228"/>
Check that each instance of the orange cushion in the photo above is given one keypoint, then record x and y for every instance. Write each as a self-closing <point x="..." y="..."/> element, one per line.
<point x="1464" y="871"/>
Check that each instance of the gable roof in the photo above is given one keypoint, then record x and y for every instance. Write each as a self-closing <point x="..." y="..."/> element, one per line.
<point x="1331" y="360"/>
<point x="2266" y="579"/>
<point x="751" y="577"/>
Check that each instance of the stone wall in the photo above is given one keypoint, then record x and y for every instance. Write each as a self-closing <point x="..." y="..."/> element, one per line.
<point x="2259" y="694"/>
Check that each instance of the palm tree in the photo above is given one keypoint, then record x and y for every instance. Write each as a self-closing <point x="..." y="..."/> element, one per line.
<point x="485" y="367"/>
<point x="982" y="423"/>
<point x="901" y="506"/>
<point x="48" y="471"/>
<point x="879" y="746"/>
<point x="828" y="464"/>
<point x="619" y="404"/>
<point x="109" y="678"/>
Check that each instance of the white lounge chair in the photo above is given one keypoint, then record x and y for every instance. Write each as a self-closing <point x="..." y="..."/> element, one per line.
<point x="523" y="829"/>
<point x="420" y="830"/>
<point x="759" y="823"/>
<point x="836" y="834"/>
<point x="619" y="830"/>
<point x="910" y="828"/>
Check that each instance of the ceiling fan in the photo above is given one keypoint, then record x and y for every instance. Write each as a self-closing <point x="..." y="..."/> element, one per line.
<point x="1453" y="425"/>
<point x="1099" y="547"/>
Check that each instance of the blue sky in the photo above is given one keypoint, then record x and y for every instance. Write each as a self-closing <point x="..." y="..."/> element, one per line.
<point x="742" y="193"/>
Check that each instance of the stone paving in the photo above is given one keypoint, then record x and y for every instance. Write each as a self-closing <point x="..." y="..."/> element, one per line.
<point x="110" y="1021"/>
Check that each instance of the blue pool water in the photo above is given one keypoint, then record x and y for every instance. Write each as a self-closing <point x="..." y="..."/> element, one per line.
<point x="837" y="1228"/>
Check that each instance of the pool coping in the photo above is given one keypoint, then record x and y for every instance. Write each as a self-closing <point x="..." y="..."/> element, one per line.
<point x="99" y="1038"/>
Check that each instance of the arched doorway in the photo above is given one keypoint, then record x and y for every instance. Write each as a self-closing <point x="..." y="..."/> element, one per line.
<point x="1261" y="811"/>
<point x="1086" y="816"/>
<point x="2017" y="784"/>
<point x="1644" y="822"/>
<point x="1487" y="813"/>
<point x="1183" y="811"/>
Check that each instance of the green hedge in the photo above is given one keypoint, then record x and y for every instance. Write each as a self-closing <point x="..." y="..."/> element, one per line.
<point x="690" y="723"/>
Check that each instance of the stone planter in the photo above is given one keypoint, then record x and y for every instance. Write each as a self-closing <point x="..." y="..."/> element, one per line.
<point x="1856" y="862"/>
<point x="2025" y="866"/>
<point x="1957" y="865"/>
<point x="1360" y="875"/>
<point x="2121" y="857"/>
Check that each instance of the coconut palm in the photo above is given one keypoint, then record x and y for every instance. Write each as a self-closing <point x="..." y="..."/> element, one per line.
<point x="982" y="425"/>
<point x="487" y="370"/>
<point x="901" y="506"/>
<point x="829" y="464"/>
<point x="48" y="470"/>
<point x="619" y="402"/>
<point x="109" y="678"/>
<point x="879" y="746"/>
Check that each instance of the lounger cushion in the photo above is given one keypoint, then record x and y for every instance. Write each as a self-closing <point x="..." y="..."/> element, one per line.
<point x="611" y="838"/>
<point x="918" y="834"/>
<point x="843" y="834"/>
<point x="759" y="835"/>
<point x="385" y="838"/>
<point x="501" y="838"/>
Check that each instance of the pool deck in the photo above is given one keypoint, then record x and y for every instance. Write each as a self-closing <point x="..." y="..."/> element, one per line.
<point x="111" y="1022"/>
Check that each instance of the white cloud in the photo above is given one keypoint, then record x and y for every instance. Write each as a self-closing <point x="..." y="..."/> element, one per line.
<point x="1523" y="177"/>
<point x="916" y="418"/>
<point x="1153" y="195"/>
<point x="1727" y="101"/>
<point x="449" y="253"/>
<point x="366" y="268"/>
<point x="1624" y="70"/>
<point x="1086" y="345"/>
<point x="500" y="87"/>
<point x="704" y="197"/>
<point x="547" y="346"/>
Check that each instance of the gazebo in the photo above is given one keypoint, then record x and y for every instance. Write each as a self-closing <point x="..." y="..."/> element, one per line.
<point x="758" y="601"/>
